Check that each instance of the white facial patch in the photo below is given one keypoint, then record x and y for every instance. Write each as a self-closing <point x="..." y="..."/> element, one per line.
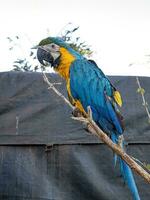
<point x="52" y="47"/>
<point x="55" y="55"/>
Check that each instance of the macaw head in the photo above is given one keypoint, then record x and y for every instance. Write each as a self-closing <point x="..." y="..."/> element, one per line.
<point x="48" y="52"/>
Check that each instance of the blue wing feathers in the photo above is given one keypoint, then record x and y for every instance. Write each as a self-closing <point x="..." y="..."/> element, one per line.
<point x="88" y="86"/>
<point x="91" y="87"/>
<point x="114" y="117"/>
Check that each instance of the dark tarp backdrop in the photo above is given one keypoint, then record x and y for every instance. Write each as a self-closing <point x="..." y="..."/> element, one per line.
<point x="77" y="165"/>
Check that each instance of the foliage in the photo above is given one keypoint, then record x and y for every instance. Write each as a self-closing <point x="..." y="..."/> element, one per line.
<point x="147" y="166"/>
<point x="76" y="43"/>
<point x="29" y="62"/>
<point x="141" y="91"/>
<point x="22" y="65"/>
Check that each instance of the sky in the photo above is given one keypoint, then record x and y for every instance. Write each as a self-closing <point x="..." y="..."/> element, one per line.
<point x="117" y="30"/>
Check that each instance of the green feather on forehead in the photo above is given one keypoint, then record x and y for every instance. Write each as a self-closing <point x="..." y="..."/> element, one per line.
<point x="45" y="42"/>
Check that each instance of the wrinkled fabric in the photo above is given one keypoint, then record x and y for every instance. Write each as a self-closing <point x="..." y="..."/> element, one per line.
<point x="75" y="165"/>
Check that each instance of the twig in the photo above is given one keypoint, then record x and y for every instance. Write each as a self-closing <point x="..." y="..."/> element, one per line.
<point x="94" y="129"/>
<point x="17" y="125"/>
<point x="145" y="104"/>
<point x="51" y="86"/>
<point x="144" y="165"/>
<point x="116" y="148"/>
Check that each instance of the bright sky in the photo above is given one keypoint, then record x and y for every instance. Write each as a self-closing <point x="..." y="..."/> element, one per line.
<point x="118" y="30"/>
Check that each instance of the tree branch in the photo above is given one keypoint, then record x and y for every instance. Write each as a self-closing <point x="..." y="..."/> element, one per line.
<point x="94" y="129"/>
<point x="51" y="86"/>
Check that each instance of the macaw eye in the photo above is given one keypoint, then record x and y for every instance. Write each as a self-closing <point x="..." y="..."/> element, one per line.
<point x="53" y="45"/>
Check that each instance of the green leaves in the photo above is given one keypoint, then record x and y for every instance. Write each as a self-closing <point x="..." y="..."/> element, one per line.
<point x="76" y="43"/>
<point x="141" y="90"/>
<point x="147" y="166"/>
<point x="22" y="65"/>
<point x="28" y="62"/>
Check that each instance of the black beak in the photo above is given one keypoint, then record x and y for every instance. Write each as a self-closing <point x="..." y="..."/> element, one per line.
<point x="43" y="55"/>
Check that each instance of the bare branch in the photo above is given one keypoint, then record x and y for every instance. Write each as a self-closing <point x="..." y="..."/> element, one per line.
<point x="119" y="151"/>
<point x="94" y="129"/>
<point x="51" y="86"/>
<point x="145" y="104"/>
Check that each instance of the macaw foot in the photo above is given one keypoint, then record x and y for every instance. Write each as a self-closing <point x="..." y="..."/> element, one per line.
<point x="89" y="111"/>
<point x="120" y="141"/>
<point x="77" y="113"/>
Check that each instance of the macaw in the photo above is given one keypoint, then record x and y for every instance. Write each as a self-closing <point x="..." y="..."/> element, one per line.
<point x="87" y="86"/>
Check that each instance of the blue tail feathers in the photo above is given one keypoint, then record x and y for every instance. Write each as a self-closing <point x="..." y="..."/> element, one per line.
<point x="129" y="179"/>
<point x="126" y="172"/>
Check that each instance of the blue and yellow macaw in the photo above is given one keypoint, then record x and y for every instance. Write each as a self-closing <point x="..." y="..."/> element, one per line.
<point x="87" y="86"/>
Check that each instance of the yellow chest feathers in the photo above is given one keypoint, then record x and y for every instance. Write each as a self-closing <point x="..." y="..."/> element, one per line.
<point x="65" y="63"/>
<point x="63" y="70"/>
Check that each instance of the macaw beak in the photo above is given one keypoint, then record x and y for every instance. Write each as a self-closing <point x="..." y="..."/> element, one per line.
<point x="35" y="47"/>
<point x="44" y="56"/>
